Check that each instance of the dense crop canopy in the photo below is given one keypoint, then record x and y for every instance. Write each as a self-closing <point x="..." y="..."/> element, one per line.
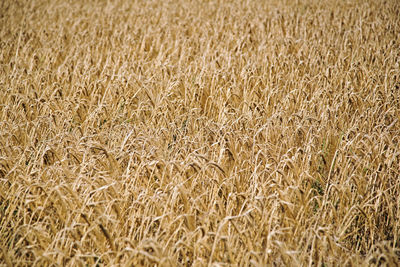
<point x="176" y="133"/>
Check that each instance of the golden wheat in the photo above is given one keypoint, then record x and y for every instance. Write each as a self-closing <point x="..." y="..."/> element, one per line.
<point x="197" y="133"/>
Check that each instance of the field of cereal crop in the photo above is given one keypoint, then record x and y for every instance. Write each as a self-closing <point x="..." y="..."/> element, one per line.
<point x="199" y="133"/>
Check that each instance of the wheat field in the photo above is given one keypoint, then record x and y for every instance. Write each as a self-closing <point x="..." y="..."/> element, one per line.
<point x="199" y="133"/>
